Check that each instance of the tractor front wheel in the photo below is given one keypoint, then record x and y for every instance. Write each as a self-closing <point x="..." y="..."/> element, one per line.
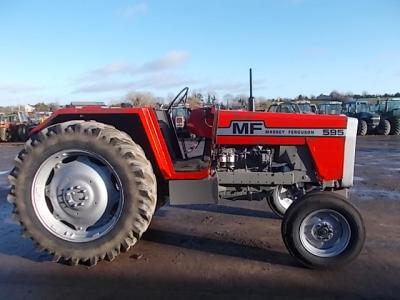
<point x="323" y="230"/>
<point x="362" y="128"/>
<point x="83" y="191"/>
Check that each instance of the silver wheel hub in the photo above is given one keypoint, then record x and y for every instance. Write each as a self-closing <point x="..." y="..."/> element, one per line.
<point x="77" y="195"/>
<point x="325" y="233"/>
<point x="74" y="196"/>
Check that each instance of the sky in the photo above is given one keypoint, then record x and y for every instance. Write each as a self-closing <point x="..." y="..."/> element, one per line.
<point x="63" y="51"/>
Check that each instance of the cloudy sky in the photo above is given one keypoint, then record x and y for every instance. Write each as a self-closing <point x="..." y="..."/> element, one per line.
<point x="100" y="50"/>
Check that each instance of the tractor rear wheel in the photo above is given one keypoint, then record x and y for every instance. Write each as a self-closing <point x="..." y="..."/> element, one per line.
<point x="323" y="230"/>
<point x="83" y="191"/>
<point x="384" y="127"/>
<point x="362" y="127"/>
<point x="395" y="127"/>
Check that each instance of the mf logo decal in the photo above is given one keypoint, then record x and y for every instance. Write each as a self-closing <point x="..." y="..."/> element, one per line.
<point x="257" y="128"/>
<point x="247" y="127"/>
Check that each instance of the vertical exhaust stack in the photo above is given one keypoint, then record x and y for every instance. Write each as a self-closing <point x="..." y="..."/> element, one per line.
<point x="251" y="105"/>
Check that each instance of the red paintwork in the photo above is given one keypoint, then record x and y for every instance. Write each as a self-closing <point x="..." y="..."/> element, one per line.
<point x="327" y="152"/>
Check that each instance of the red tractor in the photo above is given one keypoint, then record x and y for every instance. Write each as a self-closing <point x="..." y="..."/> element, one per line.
<point x="89" y="179"/>
<point x="19" y="126"/>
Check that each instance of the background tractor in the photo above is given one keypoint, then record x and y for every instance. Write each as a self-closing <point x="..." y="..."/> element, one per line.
<point x="298" y="106"/>
<point x="307" y="107"/>
<point x="19" y="126"/>
<point x="368" y="120"/>
<point x="89" y="179"/>
<point x="330" y="108"/>
<point x="284" y="107"/>
<point x="389" y="110"/>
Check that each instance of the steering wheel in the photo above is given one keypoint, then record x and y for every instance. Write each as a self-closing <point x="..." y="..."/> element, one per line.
<point x="181" y="97"/>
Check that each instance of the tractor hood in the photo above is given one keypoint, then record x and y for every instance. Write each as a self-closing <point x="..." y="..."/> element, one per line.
<point x="330" y="139"/>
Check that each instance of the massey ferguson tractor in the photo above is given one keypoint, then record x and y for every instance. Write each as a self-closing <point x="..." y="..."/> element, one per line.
<point x="89" y="179"/>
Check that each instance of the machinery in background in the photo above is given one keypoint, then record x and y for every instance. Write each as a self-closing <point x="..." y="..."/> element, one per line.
<point x="306" y="107"/>
<point x="368" y="120"/>
<point x="330" y="108"/>
<point x="389" y="111"/>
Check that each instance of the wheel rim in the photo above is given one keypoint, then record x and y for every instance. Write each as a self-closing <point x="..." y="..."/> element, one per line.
<point x="325" y="233"/>
<point x="284" y="197"/>
<point x="77" y="195"/>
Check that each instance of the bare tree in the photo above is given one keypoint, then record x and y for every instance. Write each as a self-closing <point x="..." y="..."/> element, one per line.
<point x="141" y="99"/>
<point x="228" y="98"/>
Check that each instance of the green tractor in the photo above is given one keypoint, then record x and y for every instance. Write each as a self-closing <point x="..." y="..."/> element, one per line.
<point x="389" y="110"/>
<point x="368" y="120"/>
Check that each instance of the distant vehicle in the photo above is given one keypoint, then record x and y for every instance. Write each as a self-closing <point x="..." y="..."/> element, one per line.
<point x="284" y="107"/>
<point x="330" y="108"/>
<point x="389" y="111"/>
<point x="4" y="128"/>
<point x="19" y="126"/>
<point x="368" y="121"/>
<point x="307" y="107"/>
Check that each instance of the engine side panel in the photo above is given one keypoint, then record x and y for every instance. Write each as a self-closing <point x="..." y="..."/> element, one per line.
<point x="323" y="135"/>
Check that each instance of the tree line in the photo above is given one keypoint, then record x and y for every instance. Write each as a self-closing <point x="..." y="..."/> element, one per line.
<point x="196" y="99"/>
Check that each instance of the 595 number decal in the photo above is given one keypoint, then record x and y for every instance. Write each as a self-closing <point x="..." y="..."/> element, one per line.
<point x="333" y="132"/>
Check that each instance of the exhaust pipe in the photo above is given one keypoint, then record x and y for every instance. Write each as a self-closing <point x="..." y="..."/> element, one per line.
<point x="251" y="105"/>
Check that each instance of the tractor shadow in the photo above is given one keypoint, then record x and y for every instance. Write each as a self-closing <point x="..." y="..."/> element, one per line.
<point x="225" y="209"/>
<point x="219" y="246"/>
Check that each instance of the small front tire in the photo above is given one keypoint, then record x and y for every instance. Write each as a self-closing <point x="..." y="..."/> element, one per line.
<point x="323" y="230"/>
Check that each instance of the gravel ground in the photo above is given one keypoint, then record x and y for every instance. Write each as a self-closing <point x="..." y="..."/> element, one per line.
<point x="230" y="251"/>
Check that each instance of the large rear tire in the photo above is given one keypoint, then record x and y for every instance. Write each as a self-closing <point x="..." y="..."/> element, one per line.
<point x="83" y="191"/>
<point x="384" y="127"/>
<point x="362" y="128"/>
<point x="323" y="230"/>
